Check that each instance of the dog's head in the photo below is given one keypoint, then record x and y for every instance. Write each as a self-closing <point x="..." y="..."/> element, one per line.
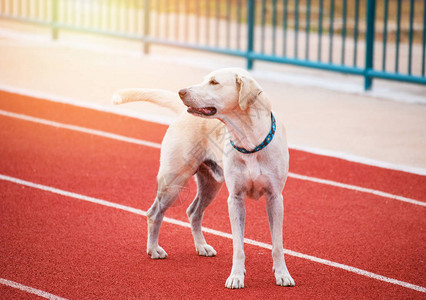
<point x="222" y="92"/>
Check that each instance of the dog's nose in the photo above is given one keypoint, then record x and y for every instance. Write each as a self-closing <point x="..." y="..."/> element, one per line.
<point x="182" y="93"/>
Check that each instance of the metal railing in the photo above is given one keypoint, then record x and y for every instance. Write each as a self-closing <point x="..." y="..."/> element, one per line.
<point x="374" y="39"/>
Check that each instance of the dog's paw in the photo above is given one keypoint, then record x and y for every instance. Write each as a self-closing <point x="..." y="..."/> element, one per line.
<point x="157" y="253"/>
<point x="284" y="279"/>
<point x="235" y="281"/>
<point x="205" y="250"/>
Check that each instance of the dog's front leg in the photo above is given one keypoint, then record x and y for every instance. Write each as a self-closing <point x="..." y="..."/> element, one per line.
<point x="275" y="210"/>
<point x="237" y="215"/>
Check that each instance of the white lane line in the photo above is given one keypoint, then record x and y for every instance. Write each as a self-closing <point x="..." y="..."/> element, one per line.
<point x="356" y="188"/>
<point x="160" y="119"/>
<point x="359" y="159"/>
<point x="29" y="289"/>
<point x="101" y="133"/>
<point x="158" y="146"/>
<point x="213" y="232"/>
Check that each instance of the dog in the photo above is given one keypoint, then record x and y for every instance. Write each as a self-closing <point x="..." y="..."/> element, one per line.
<point x="227" y="134"/>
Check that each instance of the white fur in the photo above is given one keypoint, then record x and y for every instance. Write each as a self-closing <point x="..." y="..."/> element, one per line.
<point x="201" y="146"/>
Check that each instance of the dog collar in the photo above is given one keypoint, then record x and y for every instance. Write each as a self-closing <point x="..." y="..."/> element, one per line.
<point x="265" y="142"/>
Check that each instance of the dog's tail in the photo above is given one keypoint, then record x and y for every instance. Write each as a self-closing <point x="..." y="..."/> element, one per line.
<point x="163" y="98"/>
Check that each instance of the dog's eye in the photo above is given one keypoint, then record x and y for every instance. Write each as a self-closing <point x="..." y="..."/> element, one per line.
<point x="213" y="82"/>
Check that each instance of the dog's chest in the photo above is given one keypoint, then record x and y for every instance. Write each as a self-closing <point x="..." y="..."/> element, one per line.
<point x="256" y="179"/>
<point x="258" y="187"/>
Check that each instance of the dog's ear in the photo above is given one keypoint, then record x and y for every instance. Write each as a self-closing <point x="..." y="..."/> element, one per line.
<point x="248" y="90"/>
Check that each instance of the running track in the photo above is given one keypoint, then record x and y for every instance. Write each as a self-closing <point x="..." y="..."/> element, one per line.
<point x="75" y="184"/>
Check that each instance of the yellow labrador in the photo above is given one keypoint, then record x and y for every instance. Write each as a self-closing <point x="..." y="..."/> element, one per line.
<point x="231" y="135"/>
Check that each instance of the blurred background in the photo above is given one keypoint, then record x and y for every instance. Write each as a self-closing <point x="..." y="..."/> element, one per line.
<point x="347" y="76"/>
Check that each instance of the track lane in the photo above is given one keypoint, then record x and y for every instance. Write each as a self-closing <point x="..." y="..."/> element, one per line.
<point x="98" y="168"/>
<point x="94" y="174"/>
<point x="304" y="163"/>
<point x="26" y="290"/>
<point x="208" y="231"/>
<point x="75" y="115"/>
<point x="98" y="255"/>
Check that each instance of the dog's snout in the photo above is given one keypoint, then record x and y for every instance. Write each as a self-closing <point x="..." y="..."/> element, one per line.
<point x="182" y="93"/>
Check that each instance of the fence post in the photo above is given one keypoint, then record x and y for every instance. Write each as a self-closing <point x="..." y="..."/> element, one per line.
<point x="146" y="28"/>
<point x="250" y="32"/>
<point x="54" y="20"/>
<point x="369" y="41"/>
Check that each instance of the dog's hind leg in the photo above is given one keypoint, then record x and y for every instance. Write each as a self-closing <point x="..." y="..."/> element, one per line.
<point x="207" y="188"/>
<point x="169" y="188"/>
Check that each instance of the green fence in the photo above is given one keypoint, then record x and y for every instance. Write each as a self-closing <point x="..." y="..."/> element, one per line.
<point x="374" y="39"/>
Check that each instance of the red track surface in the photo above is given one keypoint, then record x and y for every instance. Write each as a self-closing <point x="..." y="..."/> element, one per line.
<point x="80" y="250"/>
